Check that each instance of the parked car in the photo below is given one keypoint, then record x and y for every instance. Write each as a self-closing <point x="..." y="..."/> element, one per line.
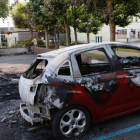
<point x="77" y="86"/>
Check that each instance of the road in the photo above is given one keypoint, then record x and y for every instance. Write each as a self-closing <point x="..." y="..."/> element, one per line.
<point x="126" y="127"/>
<point x="16" y="63"/>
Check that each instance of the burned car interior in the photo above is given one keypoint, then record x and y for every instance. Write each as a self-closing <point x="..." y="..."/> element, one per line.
<point x="64" y="69"/>
<point x="36" y="69"/>
<point x="92" y="62"/>
<point x="129" y="60"/>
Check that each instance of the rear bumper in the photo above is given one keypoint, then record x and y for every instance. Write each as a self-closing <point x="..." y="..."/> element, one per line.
<point x="25" y="115"/>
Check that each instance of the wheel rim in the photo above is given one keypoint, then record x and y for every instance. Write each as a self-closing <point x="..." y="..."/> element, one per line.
<point x="73" y="123"/>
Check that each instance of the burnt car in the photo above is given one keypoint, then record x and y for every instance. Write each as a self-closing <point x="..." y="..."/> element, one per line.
<point x="74" y="87"/>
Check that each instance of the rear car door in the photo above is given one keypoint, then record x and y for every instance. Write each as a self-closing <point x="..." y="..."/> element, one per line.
<point x="99" y="82"/>
<point x="129" y="58"/>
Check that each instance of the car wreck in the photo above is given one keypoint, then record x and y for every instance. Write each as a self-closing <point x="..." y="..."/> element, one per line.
<point x="74" y="86"/>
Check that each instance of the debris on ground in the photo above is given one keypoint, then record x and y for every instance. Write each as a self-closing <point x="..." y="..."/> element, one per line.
<point x="12" y="112"/>
<point x="3" y="119"/>
<point x="36" y="127"/>
<point x="14" y="127"/>
<point x="9" y="86"/>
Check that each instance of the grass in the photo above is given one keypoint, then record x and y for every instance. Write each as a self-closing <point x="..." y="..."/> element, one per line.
<point x="118" y="49"/>
<point x="95" y="55"/>
<point x="127" y="50"/>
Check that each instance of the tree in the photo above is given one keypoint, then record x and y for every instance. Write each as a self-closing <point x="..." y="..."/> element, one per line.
<point x="89" y="24"/>
<point x="113" y="12"/>
<point x="22" y="17"/>
<point x="74" y="12"/>
<point x="52" y="9"/>
<point x="63" y="7"/>
<point x="59" y="8"/>
<point x="41" y="17"/>
<point x="4" y="10"/>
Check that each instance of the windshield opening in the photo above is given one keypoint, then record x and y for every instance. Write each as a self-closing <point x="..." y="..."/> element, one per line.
<point x="35" y="69"/>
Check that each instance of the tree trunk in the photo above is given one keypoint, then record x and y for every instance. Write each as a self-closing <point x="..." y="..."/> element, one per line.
<point x="47" y="37"/>
<point x="69" y="39"/>
<point x="111" y="19"/>
<point x="56" y="46"/>
<point x="75" y="33"/>
<point x="88" y="40"/>
<point x="31" y="33"/>
<point x="112" y="30"/>
<point x="67" y="31"/>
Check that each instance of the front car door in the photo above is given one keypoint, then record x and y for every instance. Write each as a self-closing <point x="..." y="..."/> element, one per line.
<point x="129" y="58"/>
<point x="99" y="80"/>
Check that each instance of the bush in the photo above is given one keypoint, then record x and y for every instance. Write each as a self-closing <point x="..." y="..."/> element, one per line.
<point x="63" y="42"/>
<point x="25" y="42"/>
<point x="40" y="42"/>
<point x="13" y="46"/>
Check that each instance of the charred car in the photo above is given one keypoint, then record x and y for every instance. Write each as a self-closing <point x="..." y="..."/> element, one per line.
<point x="76" y="86"/>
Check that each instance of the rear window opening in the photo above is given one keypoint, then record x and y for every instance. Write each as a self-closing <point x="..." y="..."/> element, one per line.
<point x="35" y="69"/>
<point x="128" y="57"/>
<point x="64" y="70"/>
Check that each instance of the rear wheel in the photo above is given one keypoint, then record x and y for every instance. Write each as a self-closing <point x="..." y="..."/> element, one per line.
<point x="71" y="122"/>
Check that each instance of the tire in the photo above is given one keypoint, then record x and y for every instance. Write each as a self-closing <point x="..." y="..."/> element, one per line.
<point x="71" y="122"/>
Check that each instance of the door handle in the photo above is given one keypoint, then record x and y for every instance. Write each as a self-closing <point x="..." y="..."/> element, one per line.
<point x="133" y="76"/>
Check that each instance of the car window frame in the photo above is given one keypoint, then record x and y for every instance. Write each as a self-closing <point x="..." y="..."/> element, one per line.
<point x="75" y="67"/>
<point x="58" y="68"/>
<point x="125" y="47"/>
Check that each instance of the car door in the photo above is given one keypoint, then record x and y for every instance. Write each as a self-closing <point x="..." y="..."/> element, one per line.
<point x="129" y="58"/>
<point x="99" y="82"/>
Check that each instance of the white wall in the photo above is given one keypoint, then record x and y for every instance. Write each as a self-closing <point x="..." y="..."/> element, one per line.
<point x="134" y="25"/>
<point x="82" y="37"/>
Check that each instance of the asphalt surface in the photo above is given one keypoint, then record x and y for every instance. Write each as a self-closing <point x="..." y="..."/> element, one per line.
<point x="16" y="63"/>
<point x="16" y="128"/>
<point x="126" y="127"/>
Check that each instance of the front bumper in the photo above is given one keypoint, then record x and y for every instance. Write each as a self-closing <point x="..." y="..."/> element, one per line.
<point x="24" y="113"/>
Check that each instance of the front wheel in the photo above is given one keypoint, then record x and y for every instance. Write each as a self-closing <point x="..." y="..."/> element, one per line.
<point x="71" y="122"/>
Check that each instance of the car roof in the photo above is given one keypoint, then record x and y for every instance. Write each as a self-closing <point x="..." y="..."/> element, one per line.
<point x="67" y="50"/>
<point x="57" y="57"/>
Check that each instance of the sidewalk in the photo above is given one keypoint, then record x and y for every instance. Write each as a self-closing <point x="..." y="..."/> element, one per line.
<point x="16" y="64"/>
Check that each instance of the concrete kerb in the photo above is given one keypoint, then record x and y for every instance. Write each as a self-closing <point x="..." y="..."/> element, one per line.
<point x="11" y="51"/>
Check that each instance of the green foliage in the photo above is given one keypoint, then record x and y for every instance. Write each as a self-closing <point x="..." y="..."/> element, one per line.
<point x="95" y="55"/>
<point x="25" y="42"/>
<point x="63" y="42"/>
<point x="19" y="17"/>
<point x="40" y="42"/>
<point x="42" y="16"/>
<point x="4" y="10"/>
<point x="121" y="13"/>
<point x="23" y="17"/>
<point x="74" y="12"/>
<point x="13" y="46"/>
<point x="89" y="23"/>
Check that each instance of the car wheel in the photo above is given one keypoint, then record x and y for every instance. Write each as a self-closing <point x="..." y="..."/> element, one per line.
<point x="71" y="122"/>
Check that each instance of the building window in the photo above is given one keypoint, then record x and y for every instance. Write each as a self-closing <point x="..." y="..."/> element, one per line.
<point x="132" y="33"/>
<point x="122" y="34"/>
